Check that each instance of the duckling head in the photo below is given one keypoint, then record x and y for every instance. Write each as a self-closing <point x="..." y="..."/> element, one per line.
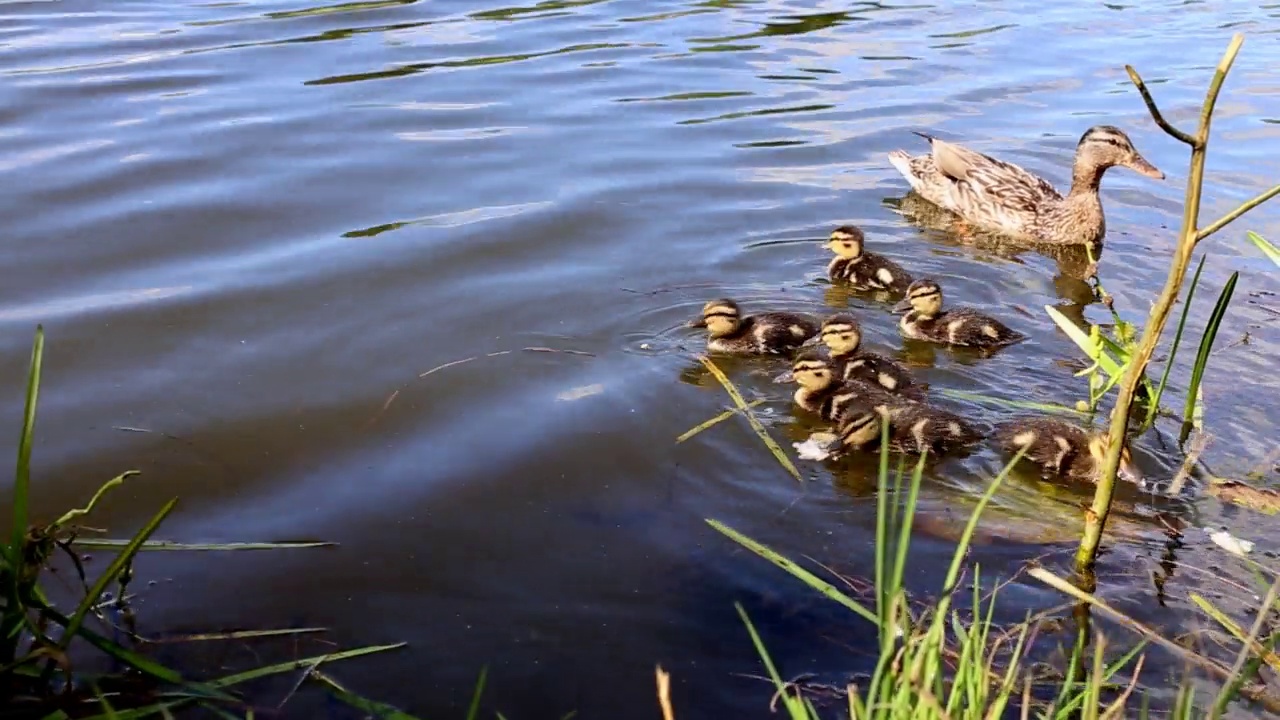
<point x="846" y="241"/>
<point x="1128" y="470"/>
<point x="860" y="429"/>
<point x="1104" y="146"/>
<point x="720" y="317"/>
<point x="812" y="371"/>
<point x="924" y="296"/>
<point x="841" y="334"/>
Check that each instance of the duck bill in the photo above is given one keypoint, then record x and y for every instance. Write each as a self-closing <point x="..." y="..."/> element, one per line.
<point x="1129" y="472"/>
<point x="697" y="323"/>
<point x="902" y="305"/>
<point x="1139" y="164"/>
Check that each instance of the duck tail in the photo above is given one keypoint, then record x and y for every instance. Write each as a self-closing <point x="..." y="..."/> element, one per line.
<point x="901" y="161"/>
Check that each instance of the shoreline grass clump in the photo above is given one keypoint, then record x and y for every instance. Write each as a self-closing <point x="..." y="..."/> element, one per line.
<point x="41" y="644"/>
<point x="950" y="660"/>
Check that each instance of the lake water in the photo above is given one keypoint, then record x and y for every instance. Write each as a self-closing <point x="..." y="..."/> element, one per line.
<point x="249" y="227"/>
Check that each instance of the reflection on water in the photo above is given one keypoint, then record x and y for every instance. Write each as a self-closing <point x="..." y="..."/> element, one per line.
<point x="481" y="407"/>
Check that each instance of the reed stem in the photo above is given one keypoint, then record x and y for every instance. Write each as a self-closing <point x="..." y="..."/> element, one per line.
<point x="1188" y="237"/>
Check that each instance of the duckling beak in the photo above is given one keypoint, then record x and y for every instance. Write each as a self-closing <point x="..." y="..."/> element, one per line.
<point x="1129" y="472"/>
<point x="902" y="305"/>
<point x="1137" y="163"/>
<point x="698" y="322"/>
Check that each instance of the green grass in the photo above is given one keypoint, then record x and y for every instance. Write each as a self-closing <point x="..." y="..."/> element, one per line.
<point x="36" y="638"/>
<point x="951" y="660"/>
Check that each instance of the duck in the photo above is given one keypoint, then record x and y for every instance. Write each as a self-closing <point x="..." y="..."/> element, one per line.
<point x="842" y="335"/>
<point x="1063" y="449"/>
<point x="964" y="327"/>
<point x="769" y="333"/>
<point x="1005" y="198"/>
<point x="822" y="392"/>
<point x="862" y="269"/>
<point x="912" y="429"/>
<point x="913" y="426"/>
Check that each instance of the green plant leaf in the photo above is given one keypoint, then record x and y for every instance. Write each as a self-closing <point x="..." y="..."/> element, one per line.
<point x="1153" y="406"/>
<point x="1202" y="355"/>
<point x="809" y="578"/>
<point x="1086" y="344"/>
<point x="22" y="475"/>
<point x="382" y="711"/>
<point x="1266" y="247"/>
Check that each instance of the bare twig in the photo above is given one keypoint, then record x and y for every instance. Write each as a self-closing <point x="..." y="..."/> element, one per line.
<point x="1223" y="221"/>
<point x="1155" y="112"/>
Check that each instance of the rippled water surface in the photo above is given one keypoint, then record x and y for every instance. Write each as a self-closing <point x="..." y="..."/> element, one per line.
<point x="250" y="228"/>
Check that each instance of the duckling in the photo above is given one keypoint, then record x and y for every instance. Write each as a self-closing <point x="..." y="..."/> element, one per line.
<point x="1064" y="449"/>
<point x="863" y="270"/>
<point x="842" y="334"/>
<point x="918" y="427"/>
<point x="768" y="333"/>
<point x="823" y="393"/>
<point x="966" y="327"/>
<point x="912" y="429"/>
<point x="1005" y="198"/>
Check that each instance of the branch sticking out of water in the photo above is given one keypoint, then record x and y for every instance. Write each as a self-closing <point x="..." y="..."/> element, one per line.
<point x="1188" y="237"/>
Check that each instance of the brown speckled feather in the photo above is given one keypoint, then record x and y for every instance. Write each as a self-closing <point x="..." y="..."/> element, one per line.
<point x="875" y="368"/>
<point x="869" y="272"/>
<point x="961" y="326"/>
<point x="767" y="334"/>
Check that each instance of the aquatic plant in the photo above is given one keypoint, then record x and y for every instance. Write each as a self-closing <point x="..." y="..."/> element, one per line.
<point x="937" y="661"/>
<point x="36" y="637"/>
<point x="1189" y="237"/>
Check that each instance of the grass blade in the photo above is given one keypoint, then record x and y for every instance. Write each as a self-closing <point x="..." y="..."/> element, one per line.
<point x="22" y="474"/>
<point x="1004" y="402"/>
<point x="794" y="705"/>
<point x="474" y="710"/>
<point x="163" y="545"/>
<point x="751" y="417"/>
<point x="284" y="667"/>
<point x="1153" y="405"/>
<point x="379" y="710"/>
<point x="713" y="422"/>
<point x="1267" y="248"/>
<point x="804" y="575"/>
<point x="112" y="572"/>
<point x="1206" y="346"/>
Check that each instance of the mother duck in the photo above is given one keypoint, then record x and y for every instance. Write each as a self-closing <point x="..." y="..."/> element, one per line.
<point x="1005" y="198"/>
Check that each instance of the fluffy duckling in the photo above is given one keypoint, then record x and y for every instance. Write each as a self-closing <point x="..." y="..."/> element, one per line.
<point x="912" y="429"/>
<point x="823" y="393"/>
<point x="842" y="334"/>
<point x="861" y="269"/>
<point x="768" y="333"/>
<point x="917" y="427"/>
<point x="966" y="327"/>
<point x="1061" y="448"/>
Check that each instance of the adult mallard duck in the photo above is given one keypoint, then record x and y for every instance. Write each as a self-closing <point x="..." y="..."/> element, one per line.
<point x="1062" y="448"/>
<point x="769" y="333"/>
<point x="1005" y="198"/>
<point x="966" y="327"/>
<point x="842" y="334"/>
<point x="862" y="269"/>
